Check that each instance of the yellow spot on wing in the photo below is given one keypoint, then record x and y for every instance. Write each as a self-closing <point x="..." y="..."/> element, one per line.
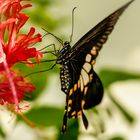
<point x="93" y="51"/>
<point x="75" y="87"/>
<point x="69" y="102"/>
<point x="85" y="77"/>
<point x="110" y="28"/>
<point x="104" y="36"/>
<point x="102" y="40"/>
<point x="73" y="113"/>
<point x="82" y="83"/>
<point x="88" y="58"/>
<point x="83" y="103"/>
<point x="93" y="62"/>
<point x="79" y="113"/>
<point x="107" y="32"/>
<point x="79" y="83"/>
<point x="87" y="67"/>
<point x="69" y="109"/>
<point x="71" y="91"/>
<point x="99" y="44"/>
<point x="85" y="90"/>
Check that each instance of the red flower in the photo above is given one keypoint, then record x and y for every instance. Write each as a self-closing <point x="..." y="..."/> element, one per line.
<point x="15" y="47"/>
<point x="21" y="84"/>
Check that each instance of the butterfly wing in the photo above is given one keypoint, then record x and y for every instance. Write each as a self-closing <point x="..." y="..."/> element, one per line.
<point x="86" y="90"/>
<point x="99" y="34"/>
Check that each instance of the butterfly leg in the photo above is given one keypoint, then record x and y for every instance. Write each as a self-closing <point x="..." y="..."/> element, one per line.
<point x="46" y="47"/>
<point x="54" y="52"/>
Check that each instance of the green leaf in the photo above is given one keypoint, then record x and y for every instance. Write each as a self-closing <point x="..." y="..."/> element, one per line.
<point x="72" y="131"/>
<point x="46" y="116"/>
<point x="109" y="76"/>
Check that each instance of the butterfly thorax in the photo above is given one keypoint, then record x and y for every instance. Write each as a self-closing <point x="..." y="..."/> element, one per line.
<point x="64" y="54"/>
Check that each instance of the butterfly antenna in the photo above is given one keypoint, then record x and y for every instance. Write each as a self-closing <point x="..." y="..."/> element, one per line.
<point x="72" y="29"/>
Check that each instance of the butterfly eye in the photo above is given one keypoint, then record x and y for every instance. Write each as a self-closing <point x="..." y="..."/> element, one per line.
<point x="66" y="43"/>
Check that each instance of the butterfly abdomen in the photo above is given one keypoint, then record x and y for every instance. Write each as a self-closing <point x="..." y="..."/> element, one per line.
<point x="65" y="78"/>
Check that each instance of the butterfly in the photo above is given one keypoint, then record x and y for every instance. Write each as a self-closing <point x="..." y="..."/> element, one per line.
<point x="79" y="81"/>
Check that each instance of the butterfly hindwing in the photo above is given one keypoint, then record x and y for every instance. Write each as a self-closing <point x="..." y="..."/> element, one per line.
<point x="83" y="96"/>
<point x="94" y="93"/>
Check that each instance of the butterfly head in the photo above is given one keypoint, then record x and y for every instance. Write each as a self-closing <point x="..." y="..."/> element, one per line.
<point x="66" y="43"/>
<point x="64" y="53"/>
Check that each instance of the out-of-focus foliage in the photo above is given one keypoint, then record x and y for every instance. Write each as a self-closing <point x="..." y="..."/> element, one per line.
<point x="2" y="133"/>
<point x="110" y="76"/>
<point x="40" y="15"/>
<point x="46" y="116"/>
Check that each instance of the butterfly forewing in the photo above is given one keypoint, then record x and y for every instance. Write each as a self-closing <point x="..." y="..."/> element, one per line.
<point x="99" y="34"/>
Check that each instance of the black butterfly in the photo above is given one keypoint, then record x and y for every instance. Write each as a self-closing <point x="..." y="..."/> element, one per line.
<point x="80" y="83"/>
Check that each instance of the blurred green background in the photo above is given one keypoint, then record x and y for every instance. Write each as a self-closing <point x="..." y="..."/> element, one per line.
<point x="117" y="117"/>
